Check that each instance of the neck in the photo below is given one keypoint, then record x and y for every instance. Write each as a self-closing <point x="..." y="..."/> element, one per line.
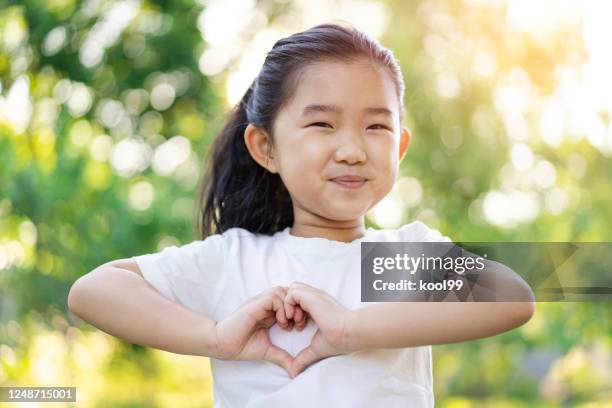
<point x="343" y="231"/>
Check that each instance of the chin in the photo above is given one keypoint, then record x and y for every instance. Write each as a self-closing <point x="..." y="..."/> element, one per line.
<point x="345" y="214"/>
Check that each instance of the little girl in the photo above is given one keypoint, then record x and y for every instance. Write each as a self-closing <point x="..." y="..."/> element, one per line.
<point x="271" y="292"/>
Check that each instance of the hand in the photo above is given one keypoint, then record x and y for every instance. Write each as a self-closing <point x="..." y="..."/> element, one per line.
<point x="243" y="335"/>
<point x="331" y="318"/>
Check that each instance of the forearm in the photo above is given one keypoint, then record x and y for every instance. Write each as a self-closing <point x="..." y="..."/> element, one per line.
<point x="123" y="304"/>
<point x="412" y="324"/>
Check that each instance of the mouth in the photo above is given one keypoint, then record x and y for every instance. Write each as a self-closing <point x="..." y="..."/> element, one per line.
<point x="349" y="182"/>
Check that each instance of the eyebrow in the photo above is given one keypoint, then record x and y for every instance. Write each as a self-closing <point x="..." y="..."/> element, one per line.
<point x="315" y="108"/>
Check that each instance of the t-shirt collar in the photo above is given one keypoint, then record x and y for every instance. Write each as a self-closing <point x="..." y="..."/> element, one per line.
<point x="320" y="245"/>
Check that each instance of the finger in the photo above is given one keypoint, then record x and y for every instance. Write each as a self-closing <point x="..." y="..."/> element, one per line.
<point x="304" y="322"/>
<point x="264" y="305"/>
<point x="298" y="316"/>
<point x="278" y="306"/>
<point x="279" y="357"/>
<point x="289" y="307"/>
<point x="271" y="305"/>
<point x="293" y="299"/>
<point x="304" y="359"/>
<point x="281" y="318"/>
<point x="268" y="322"/>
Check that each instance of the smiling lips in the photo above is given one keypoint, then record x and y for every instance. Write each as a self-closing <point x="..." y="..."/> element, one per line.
<point x="349" y="181"/>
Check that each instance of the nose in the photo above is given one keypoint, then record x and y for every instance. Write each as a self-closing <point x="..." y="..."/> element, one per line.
<point x="350" y="150"/>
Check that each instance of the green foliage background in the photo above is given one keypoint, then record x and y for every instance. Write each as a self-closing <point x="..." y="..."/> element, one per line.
<point x="66" y="207"/>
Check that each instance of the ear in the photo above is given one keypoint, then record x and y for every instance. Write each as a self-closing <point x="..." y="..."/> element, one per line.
<point x="259" y="146"/>
<point x="405" y="137"/>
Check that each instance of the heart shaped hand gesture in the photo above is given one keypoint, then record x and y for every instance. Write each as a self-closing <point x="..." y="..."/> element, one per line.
<point x="331" y="318"/>
<point x="243" y="335"/>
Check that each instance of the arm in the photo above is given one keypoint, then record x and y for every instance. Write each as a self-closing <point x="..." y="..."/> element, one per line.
<point x="411" y="324"/>
<point x="121" y="303"/>
<point x="405" y="324"/>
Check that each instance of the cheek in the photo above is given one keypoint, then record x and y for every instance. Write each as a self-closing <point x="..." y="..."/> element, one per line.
<point x="299" y="171"/>
<point x="301" y="159"/>
<point x="386" y="155"/>
<point x="384" y="182"/>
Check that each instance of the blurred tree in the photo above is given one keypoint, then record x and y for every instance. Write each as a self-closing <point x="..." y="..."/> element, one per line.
<point x="112" y="88"/>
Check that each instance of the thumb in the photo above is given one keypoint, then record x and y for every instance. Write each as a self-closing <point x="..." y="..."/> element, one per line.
<point x="279" y="357"/>
<point x="305" y="358"/>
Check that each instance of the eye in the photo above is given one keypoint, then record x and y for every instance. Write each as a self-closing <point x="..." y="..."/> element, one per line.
<point x="382" y="126"/>
<point x="319" y="123"/>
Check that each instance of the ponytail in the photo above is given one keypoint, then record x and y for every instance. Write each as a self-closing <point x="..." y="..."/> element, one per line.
<point x="236" y="191"/>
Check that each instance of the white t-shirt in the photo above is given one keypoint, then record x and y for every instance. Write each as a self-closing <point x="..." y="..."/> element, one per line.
<point x="216" y="275"/>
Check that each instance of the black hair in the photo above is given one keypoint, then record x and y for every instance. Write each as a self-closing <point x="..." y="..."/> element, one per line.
<point x="236" y="191"/>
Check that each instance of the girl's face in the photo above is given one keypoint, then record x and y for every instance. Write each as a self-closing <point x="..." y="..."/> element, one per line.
<point x="343" y="119"/>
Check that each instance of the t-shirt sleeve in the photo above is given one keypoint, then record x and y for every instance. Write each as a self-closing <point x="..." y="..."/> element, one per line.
<point x="418" y="231"/>
<point x="192" y="275"/>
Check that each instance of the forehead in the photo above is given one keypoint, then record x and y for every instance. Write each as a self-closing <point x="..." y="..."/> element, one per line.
<point x="351" y="86"/>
